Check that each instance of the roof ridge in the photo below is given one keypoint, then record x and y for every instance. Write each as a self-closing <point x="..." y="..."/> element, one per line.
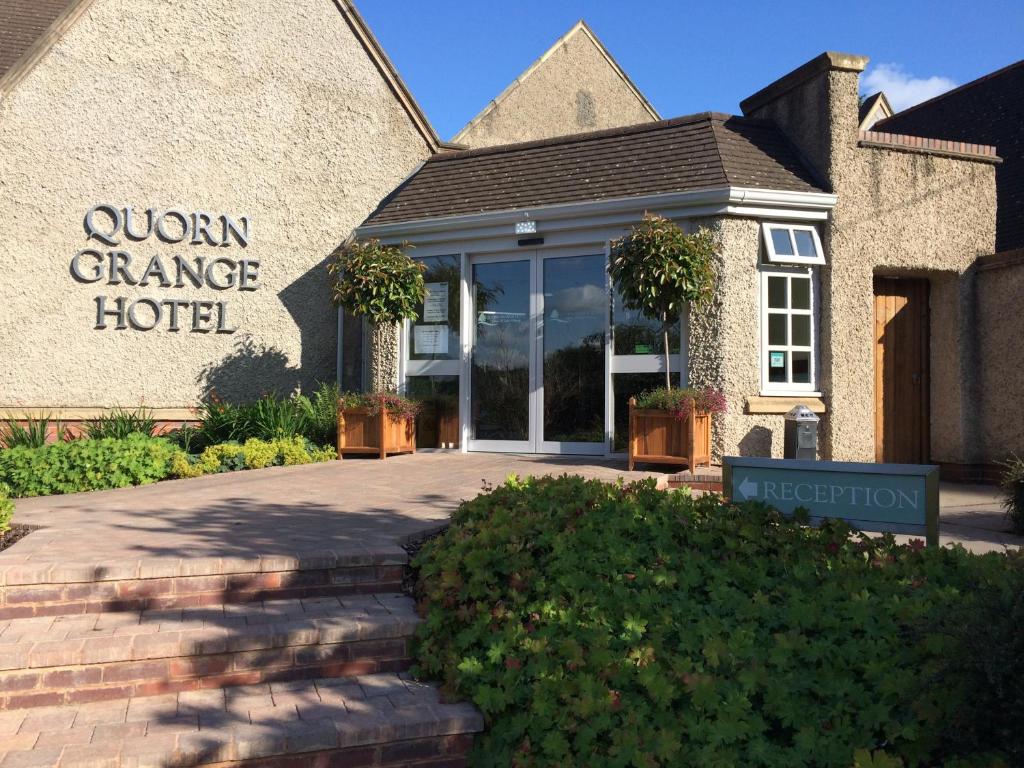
<point x="37" y="50"/>
<point x="579" y="26"/>
<point x="990" y="76"/>
<point x="573" y="138"/>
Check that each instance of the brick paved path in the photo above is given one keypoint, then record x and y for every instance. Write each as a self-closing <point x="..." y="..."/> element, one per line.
<point x="245" y="619"/>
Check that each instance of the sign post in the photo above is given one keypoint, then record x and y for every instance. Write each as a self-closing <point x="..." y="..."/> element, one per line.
<point x="895" y="498"/>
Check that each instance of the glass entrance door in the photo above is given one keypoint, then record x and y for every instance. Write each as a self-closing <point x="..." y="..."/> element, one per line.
<point x="537" y="359"/>
<point x="573" y="324"/>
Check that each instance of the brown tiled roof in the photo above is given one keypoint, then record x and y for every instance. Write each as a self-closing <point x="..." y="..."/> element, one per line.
<point x="22" y="23"/>
<point x="701" y="151"/>
<point x="989" y="110"/>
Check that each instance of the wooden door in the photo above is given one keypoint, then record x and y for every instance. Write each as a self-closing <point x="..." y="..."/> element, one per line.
<point x="901" y="371"/>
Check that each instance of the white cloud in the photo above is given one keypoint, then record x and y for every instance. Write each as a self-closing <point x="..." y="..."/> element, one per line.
<point x="901" y="88"/>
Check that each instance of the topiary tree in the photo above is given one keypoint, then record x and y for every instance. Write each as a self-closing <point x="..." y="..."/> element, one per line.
<point x="379" y="282"/>
<point x="659" y="269"/>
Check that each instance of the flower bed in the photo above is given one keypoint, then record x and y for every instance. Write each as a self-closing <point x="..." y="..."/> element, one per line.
<point x="601" y="625"/>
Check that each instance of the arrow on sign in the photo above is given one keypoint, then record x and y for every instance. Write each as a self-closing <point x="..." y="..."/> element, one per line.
<point x="748" y="488"/>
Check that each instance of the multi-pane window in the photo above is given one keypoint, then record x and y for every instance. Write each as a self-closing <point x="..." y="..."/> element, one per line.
<point x="787" y="331"/>
<point x="792" y="244"/>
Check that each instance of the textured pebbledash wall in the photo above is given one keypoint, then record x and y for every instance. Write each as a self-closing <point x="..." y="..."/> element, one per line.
<point x="273" y="111"/>
<point x="899" y="212"/>
<point x="575" y="86"/>
<point x="1000" y="337"/>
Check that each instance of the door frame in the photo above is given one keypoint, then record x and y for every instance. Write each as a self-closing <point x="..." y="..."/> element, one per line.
<point x="613" y="364"/>
<point x="469" y="329"/>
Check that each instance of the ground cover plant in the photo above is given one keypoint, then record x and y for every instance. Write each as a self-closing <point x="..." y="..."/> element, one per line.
<point x="6" y="508"/>
<point x="85" y="465"/>
<point x="252" y="454"/>
<point x="604" y="625"/>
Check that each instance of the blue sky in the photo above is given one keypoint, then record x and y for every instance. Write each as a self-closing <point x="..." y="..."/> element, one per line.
<point x="690" y="57"/>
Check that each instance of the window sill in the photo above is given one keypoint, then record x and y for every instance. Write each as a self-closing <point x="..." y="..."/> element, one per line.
<point x="781" y="403"/>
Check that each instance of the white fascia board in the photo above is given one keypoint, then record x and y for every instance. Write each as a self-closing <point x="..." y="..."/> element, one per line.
<point x="732" y="200"/>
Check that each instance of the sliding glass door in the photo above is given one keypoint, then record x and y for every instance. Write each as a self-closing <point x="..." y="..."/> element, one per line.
<point x="537" y="356"/>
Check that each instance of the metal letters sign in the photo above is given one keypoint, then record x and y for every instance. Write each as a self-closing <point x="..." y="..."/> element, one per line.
<point x="898" y="498"/>
<point x="202" y="263"/>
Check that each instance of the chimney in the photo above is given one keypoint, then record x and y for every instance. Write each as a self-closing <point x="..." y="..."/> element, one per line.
<point x="816" y="106"/>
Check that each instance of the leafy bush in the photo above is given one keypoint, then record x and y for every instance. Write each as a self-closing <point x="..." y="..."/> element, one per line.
<point x="679" y="402"/>
<point x="659" y="269"/>
<point x="85" y="465"/>
<point x="1012" y="484"/>
<point x="253" y="454"/>
<point x="32" y="434"/>
<point x="320" y="412"/>
<point x="605" y="625"/>
<point x="119" y="423"/>
<point x="376" y="402"/>
<point x="380" y="282"/>
<point x="269" y="418"/>
<point x="6" y="508"/>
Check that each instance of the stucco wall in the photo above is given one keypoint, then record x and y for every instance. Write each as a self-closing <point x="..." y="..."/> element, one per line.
<point x="575" y="88"/>
<point x="1000" y="297"/>
<point x="898" y="213"/>
<point x="725" y="345"/>
<point x="267" y="110"/>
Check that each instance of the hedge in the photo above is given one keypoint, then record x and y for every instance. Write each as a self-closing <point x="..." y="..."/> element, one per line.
<point x="85" y="465"/>
<point x="606" y="625"/>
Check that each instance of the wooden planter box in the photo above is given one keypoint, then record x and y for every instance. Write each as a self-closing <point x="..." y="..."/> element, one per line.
<point x="361" y="432"/>
<point x="658" y="437"/>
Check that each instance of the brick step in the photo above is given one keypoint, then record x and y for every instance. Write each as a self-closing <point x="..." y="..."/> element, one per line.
<point x="68" y="659"/>
<point x="46" y="589"/>
<point x="373" y="720"/>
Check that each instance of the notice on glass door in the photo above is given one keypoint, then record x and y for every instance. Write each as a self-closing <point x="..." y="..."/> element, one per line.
<point x="435" y="303"/>
<point x="430" y="339"/>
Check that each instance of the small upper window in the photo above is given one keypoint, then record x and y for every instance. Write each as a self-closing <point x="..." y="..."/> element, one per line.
<point x="792" y="244"/>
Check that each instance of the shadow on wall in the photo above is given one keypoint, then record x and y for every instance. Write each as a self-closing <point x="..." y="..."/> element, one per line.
<point x="757" y="442"/>
<point x="249" y="372"/>
<point x="308" y="301"/>
<point x="254" y="368"/>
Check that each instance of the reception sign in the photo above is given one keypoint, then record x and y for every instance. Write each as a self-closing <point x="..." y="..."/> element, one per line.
<point x="899" y="498"/>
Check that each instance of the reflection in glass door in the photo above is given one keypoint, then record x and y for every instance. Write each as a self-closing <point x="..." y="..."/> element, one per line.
<point x="573" y="327"/>
<point x="501" y="379"/>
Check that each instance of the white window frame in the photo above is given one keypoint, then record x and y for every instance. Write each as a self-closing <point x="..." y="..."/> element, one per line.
<point x="788" y="388"/>
<point x="775" y="258"/>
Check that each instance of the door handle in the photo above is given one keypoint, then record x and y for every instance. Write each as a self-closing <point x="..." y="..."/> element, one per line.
<point x="916" y="378"/>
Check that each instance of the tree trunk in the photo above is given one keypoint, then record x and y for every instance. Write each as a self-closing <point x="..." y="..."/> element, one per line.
<point x="664" y="333"/>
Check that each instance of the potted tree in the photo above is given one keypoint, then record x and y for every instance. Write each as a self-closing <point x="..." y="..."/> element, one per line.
<point x="659" y="270"/>
<point x="381" y="283"/>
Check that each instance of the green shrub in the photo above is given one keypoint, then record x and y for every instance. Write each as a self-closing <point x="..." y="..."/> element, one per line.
<point x="85" y="465"/>
<point x="253" y="454"/>
<point x="605" y="625"/>
<point x="119" y="423"/>
<point x="6" y="508"/>
<point x="32" y="434"/>
<point x="269" y="418"/>
<point x="1012" y="484"/>
<point x="320" y="411"/>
